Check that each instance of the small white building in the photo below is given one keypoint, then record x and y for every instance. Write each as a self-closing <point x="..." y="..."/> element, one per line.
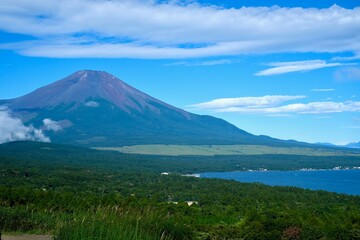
<point x="189" y="203"/>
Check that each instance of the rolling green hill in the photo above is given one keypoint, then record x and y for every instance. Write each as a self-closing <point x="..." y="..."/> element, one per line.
<point x="212" y="150"/>
<point x="36" y="154"/>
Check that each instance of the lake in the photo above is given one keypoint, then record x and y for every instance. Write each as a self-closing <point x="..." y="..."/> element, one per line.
<point x="340" y="181"/>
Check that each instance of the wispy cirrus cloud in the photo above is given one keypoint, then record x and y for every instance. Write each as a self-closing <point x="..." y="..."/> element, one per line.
<point x="322" y="90"/>
<point x="270" y="105"/>
<point x="347" y="74"/>
<point x="217" y="62"/>
<point x="173" y="29"/>
<point x="297" y="66"/>
<point x="319" y="107"/>
<point x="356" y="56"/>
<point x="204" y="63"/>
<point x="247" y="102"/>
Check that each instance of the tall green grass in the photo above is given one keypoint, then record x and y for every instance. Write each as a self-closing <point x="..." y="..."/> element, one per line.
<point x="114" y="223"/>
<point x="24" y="220"/>
<point x="102" y="223"/>
<point x="102" y="229"/>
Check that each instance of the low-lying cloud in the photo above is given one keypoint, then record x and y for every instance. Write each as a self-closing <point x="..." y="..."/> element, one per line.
<point x="12" y="129"/>
<point x="91" y="104"/>
<point x="51" y="125"/>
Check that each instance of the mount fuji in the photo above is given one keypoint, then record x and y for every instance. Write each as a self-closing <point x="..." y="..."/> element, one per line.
<point x="94" y="108"/>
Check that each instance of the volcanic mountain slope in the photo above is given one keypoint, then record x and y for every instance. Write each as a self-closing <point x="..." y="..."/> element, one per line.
<point x="94" y="108"/>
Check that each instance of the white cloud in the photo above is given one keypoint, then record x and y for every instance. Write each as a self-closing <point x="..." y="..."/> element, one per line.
<point x="174" y="29"/>
<point x="204" y="63"/>
<point x="347" y="74"/>
<point x="320" y="107"/>
<point x="356" y="56"/>
<point x="255" y="105"/>
<point x="91" y="104"/>
<point x="181" y="63"/>
<point x="51" y="125"/>
<point x="286" y="67"/>
<point x="247" y="102"/>
<point x="322" y="90"/>
<point x="12" y="129"/>
<point x="216" y="62"/>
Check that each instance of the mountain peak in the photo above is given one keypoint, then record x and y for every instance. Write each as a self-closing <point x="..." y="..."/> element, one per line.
<point x="92" y="77"/>
<point x="86" y="86"/>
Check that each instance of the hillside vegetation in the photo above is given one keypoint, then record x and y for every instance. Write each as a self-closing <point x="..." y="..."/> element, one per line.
<point x="78" y="193"/>
<point x="36" y="154"/>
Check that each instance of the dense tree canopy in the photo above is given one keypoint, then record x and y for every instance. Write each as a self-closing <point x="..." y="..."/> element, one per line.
<point x="62" y="194"/>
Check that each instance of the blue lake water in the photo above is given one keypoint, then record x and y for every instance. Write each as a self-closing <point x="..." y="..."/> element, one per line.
<point x="340" y="181"/>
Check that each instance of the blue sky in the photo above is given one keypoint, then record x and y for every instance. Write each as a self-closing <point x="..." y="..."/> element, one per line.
<point x="287" y="69"/>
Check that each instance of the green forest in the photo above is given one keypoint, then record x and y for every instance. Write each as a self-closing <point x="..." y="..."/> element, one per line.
<point x="79" y="193"/>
